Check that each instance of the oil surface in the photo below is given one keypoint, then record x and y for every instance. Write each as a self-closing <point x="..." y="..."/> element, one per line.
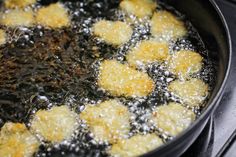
<point x="41" y="68"/>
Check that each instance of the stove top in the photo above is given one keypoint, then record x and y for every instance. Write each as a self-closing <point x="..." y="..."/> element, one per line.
<point x="219" y="137"/>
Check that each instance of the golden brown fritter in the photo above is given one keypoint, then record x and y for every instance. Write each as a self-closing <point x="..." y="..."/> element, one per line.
<point x="148" y="52"/>
<point x="173" y="118"/>
<point x="53" y="16"/>
<point x="184" y="63"/>
<point x="54" y="125"/>
<point x="193" y="92"/>
<point x="166" y="25"/>
<point x="2" y="37"/>
<point x="121" y="80"/>
<point x="17" y="17"/>
<point x="18" y="3"/>
<point x="115" y="33"/>
<point x="135" y="146"/>
<point x="139" y="8"/>
<point x="108" y="121"/>
<point x="17" y="141"/>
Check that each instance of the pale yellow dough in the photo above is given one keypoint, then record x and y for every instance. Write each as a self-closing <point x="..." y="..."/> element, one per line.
<point x="135" y="146"/>
<point x="148" y="52"/>
<point x="184" y="63"/>
<point x="193" y="92"/>
<point x="173" y="118"/>
<point x="166" y="25"/>
<point x="139" y="8"/>
<point x="54" y="125"/>
<point x="108" y="121"/>
<point x="17" y="141"/>
<point x="17" y="17"/>
<point x="2" y="37"/>
<point x="121" y="80"/>
<point x="113" y="32"/>
<point x="53" y="16"/>
<point x="18" y="3"/>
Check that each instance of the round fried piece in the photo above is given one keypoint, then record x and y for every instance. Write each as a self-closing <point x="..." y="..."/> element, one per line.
<point x="173" y="118"/>
<point x="193" y="92"/>
<point x="53" y="16"/>
<point x="184" y="63"/>
<point x="18" y="3"/>
<point x="17" y="141"/>
<point x="148" y="52"/>
<point x="166" y="25"/>
<point x="121" y="80"/>
<point x="17" y="17"/>
<point x="54" y="125"/>
<point x="108" y="121"/>
<point x="139" y="8"/>
<point x="2" y="37"/>
<point x="115" y="33"/>
<point x="136" y="145"/>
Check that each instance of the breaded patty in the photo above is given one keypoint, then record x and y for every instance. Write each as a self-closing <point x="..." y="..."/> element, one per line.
<point x="17" y="141"/>
<point x="18" y="3"/>
<point x="148" y="52"/>
<point x="173" y="118"/>
<point x="184" y="63"/>
<point x="193" y="92"/>
<point x="17" y="17"/>
<point x="166" y="25"/>
<point x="135" y="146"/>
<point x="53" y="16"/>
<point x="113" y="32"/>
<point x="139" y="8"/>
<point x="54" y="125"/>
<point x="108" y="121"/>
<point x="2" y="37"/>
<point x="121" y="80"/>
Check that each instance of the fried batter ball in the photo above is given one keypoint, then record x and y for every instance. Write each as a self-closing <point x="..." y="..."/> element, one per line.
<point x="54" y="125"/>
<point x="17" y="17"/>
<point x="18" y="3"/>
<point x="139" y="8"/>
<point x="166" y="25"/>
<point x="184" y="63"/>
<point x="148" y="52"/>
<point x="17" y="141"/>
<point x="193" y="92"/>
<point x="113" y="32"/>
<point x="121" y="80"/>
<point x="53" y="16"/>
<point x="108" y="121"/>
<point x="173" y="118"/>
<point x="135" y="146"/>
<point x="2" y="37"/>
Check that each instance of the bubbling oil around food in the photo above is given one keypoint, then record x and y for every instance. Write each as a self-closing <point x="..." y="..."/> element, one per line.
<point x="41" y="68"/>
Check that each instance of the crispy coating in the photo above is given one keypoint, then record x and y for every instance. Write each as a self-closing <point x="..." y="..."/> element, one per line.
<point x="135" y="146"/>
<point x="18" y="3"/>
<point x="2" y="37"/>
<point x="166" y="25"/>
<point x="17" y="141"/>
<point x="193" y="92"/>
<point x="53" y="16"/>
<point x="108" y="121"/>
<point x="173" y="118"/>
<point x="54" y="125"/>
<point x="184" y="63"/>
<point x="139" y="8"/>
<point x="148" y="52"/>
<point x="121" y="80"/>
<point x="115" y="33"/>
<point x="17" y="17"/>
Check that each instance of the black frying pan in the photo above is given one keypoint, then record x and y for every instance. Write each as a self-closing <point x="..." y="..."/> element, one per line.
<point x="208" y="20"/>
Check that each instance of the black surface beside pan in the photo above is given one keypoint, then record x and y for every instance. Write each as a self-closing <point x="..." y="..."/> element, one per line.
<point x="208" y="20"/>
